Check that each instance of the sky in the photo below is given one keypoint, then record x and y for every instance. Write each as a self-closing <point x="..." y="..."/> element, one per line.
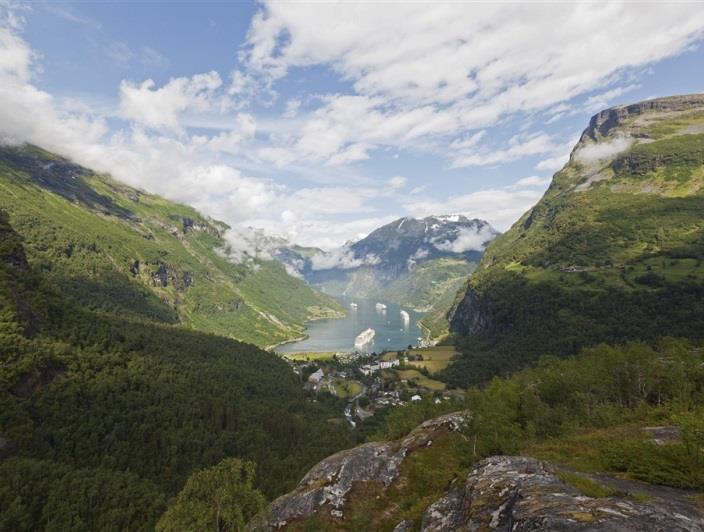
<point x="320" y="121"/>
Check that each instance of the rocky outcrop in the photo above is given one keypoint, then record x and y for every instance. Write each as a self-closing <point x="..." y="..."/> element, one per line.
<point x="514" y="493"/>
<point x="501" y="493"/>
<point x="470" y="315"/>
<point x="603" y="122"/>
<point x="325" y="488"/>
<point x="197" y="225"/>
<point x="166" y="275"/>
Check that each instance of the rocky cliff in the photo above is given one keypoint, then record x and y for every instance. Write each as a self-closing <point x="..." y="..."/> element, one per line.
<point x="505" y="493"/>
<point x="514" y="493"/>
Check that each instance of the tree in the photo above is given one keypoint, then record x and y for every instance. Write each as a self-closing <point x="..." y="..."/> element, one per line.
<point x="220" y="498"/>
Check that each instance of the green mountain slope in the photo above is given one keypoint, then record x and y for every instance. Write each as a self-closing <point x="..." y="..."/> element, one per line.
<point x="613" y="250"/>
<point x="114" y="248"/>
<point x="431" y="287"/>
<point x="103" y="418"/>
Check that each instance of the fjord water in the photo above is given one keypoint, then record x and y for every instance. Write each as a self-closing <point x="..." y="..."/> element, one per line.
<point x="392" y="332"/>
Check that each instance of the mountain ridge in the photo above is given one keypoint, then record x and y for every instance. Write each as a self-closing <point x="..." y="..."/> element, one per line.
<point x="617" y="234"/>
<point x="110" y="246"/>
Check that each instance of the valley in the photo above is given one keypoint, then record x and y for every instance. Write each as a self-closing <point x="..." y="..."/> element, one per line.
<point x="351" y="267"/>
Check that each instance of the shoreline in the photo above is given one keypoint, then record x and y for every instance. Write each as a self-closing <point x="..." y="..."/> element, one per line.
<point x="305" y="336"/>
<point x="428" y="340"/>
<point x="271" y="348"/>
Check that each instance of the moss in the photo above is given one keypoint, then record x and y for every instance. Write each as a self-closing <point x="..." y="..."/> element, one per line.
<point x="587" y="486"/>
<point x="582" y="517"/>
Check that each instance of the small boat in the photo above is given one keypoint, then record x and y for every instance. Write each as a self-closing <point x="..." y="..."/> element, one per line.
<point x="353" y="306"/>
<point x="405" y="316"/>
<point x="380" y="307"/>
<point x="364" y="339"/>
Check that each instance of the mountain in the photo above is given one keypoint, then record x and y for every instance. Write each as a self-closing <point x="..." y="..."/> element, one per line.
<point x="613" y="250"/>
<point x="416" y="263"/>
<point x="103" y="417"/>
<point x="113" y="248"/>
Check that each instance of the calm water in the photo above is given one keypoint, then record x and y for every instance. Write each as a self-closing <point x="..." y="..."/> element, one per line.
<point x="339" y="335"/>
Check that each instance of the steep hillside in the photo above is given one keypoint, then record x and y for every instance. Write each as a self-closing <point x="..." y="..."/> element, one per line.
<point x="612" y="251"/>
<point x="103" y="418"/>
<point x="430" y="286"/>
<point x="110" y="247"/>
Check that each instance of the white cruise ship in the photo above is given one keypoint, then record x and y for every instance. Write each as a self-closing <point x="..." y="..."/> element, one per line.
<point x="364" y="339"/>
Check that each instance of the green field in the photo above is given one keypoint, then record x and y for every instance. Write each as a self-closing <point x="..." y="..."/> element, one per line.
<point x="419" y="378"/>
<point x="346" y="389"/>
<point x="434" y="358"/>
<point x="309" y="356"/>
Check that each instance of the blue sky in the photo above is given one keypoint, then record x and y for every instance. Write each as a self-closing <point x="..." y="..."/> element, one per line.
<point x="321" y="121"/>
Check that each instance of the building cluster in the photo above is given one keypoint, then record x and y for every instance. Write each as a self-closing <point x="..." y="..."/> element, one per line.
<point x="370" y="369"/>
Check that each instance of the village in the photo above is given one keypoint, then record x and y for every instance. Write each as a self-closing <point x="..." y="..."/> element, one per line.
<point x="369" y="383"/>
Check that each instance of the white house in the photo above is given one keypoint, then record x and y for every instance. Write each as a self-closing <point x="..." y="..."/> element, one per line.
<point x="416" y="398"/>
<point x="316" y="377"/>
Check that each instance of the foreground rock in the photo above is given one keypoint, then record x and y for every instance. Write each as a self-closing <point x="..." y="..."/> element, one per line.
<point x="325" y="487"/>
<point x="514" y="493"/>
<point x="502" y="493"/>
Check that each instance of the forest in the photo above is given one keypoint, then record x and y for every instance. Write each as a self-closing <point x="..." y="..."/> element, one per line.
<point x="103" y="418"/>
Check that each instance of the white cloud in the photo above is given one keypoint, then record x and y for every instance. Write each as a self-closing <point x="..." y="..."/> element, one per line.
<point x="602" y="100"/>
<point x="467" y="239"/>
<point x="15" y="56"/>
<point x="415" y="86"/>
<point x="397" y="182"/>
<point x="603" y="150"/>
<point x="231" y="141"/>
<point x="179" y="167"/>
<point x="161" y="107"/>
<point x="342" y="258"/>
<point x="518" y="147"/>
<point x="292" y="107"/>
<point x="500" y="207"/>
<point x="553" y="163"/>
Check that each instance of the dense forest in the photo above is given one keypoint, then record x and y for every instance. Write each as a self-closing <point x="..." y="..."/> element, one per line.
<point x="103" y="419"/>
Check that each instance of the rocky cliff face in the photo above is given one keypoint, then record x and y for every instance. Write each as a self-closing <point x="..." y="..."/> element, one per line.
<point x="503" y="493"/>
<point x="325" y="490"/>
<point x="602" y="123"/>
<point x="470" y="314"/>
